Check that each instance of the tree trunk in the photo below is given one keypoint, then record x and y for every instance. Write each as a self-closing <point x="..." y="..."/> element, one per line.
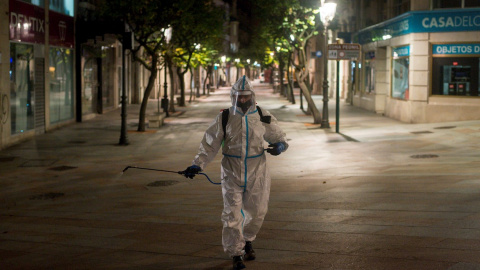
<point x="205" y="83"/>
<point x="181" y="79"/>
<point x="317" y="118"/>
<point x="191" y="87"/>
<point x="309" y="87"/>
<point x="197" y="80"/>
<point x="148" y="90"/>
<point x="290" y="81"/>
<point x="302" y="77"/>
<point x="210" y="79"/>
<point x="281" y="70"/>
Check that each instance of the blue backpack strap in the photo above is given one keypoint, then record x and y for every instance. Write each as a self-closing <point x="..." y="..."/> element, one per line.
<point x="225" y="113"/>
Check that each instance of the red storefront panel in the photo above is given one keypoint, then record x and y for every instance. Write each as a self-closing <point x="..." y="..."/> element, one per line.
<point x="27" y="22"/>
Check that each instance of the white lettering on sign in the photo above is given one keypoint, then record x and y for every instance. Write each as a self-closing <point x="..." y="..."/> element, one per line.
<point x="332" y="54"/>
<point x="27" y="23"/>
<point x="344" y="47"/>
<point x="403" y="51"/>
<point x="456" y="49"/>
<point x="400" y="27"/>
<point x="455" y="21"/>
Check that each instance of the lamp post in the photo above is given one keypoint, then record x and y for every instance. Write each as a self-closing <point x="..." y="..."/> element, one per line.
<point x="127" y="44"/>
<point x="327" y="12"/>
<point x="168" y="36"/>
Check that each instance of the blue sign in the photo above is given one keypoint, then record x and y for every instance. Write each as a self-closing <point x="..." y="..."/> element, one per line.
<point x="437" y="21"/>
<point x="422" y="22"/>
<point x="319" y="54"/>
<point x="449" y="49"/>
<point x="401" y="51"/>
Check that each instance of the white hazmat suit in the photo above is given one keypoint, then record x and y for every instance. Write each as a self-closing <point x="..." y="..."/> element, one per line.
<point x="245" y="178"/>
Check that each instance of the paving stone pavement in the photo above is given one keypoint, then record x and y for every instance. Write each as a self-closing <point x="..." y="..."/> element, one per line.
<point x="380" y="195"/>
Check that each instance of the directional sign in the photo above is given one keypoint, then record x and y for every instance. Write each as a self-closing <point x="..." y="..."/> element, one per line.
<point x="350" y="51"/>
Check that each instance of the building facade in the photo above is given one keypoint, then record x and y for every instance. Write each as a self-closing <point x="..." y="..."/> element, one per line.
<point x="37" y="43"/>
<point x="420" y="60"/>
<point x="56" y="69"/>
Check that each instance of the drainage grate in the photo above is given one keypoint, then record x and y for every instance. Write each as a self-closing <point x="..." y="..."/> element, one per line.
<point x="77" y="142"/>
<point x="446" y="127"/>
<point x="421" y="132"/>
<point x="162" y="183"/>
<point x="62" y="168"/>
<point x="6" y="159"/>
<point x="424" y="156"/>
<point x="47" y="196"/>
<point x="39" y="163"/>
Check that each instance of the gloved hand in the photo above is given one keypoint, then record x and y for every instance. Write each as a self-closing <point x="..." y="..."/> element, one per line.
<point x="276" y="148"/>
<point x="191" y="171"/>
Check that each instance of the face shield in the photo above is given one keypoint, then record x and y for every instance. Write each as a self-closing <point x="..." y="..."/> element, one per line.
<point x="243" y="100"/>
<point x="242" y="95"/>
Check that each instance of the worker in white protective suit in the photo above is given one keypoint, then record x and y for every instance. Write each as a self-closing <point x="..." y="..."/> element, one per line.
<point x="245" y="178"/>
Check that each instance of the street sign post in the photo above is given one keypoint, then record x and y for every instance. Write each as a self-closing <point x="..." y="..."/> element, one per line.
<point x="349" y="51"/>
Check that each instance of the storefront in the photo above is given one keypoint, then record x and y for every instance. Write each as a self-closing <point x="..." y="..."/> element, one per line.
<point x="422" y="66"/>
<point x="41" y="67"/>
<point x="457" y="67"/>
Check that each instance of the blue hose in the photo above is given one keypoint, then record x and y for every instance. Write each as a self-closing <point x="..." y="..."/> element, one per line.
<point x="209" y="179"/>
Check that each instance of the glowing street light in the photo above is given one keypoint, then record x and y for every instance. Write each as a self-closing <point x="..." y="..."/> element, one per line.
<point x="168" y="37"/>
<point x="327" y="13"/>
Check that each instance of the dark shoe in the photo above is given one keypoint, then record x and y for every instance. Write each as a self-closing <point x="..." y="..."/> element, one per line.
<point x="249" y="252"/>
<point x="238" y="263"/>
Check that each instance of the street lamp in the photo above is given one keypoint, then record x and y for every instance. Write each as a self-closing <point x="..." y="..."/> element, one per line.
<point x="168" y="36"/>
<point x="127" y="44"/>
<point x="327" y="12"/>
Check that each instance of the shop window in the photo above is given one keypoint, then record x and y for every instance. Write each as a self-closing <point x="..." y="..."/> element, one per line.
<point x="456" y="3"/>
<point x="369" y="72"/>
<point x="61" y="84"/>
<point x="400" y="7"/>
<point x="458" y="76"/>
<point x="353" y="74"/>
<point x="21" y="87"/>
<point x="471" y="3"/>
<point x="63" y="6"/>
<point x="40" y="3"/>
<point x="90" y="81"/>
<point x="108" y="77"/>
<point x="400" y="68"/>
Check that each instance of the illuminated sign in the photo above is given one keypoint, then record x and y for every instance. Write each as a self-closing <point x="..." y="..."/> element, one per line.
<point x="422" y="22"/>
<point x="448" y="49"/>
<point x="401" y="52"/>
<point x="27" y="24"/>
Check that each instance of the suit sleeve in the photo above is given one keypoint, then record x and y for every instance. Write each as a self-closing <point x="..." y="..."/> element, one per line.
<point x="211" y="143"/>
<point x="273" y="132"/>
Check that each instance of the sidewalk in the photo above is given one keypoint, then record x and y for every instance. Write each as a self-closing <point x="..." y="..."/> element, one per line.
<point x="380" y="195"/>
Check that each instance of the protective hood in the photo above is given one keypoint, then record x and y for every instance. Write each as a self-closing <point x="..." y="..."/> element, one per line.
<point x="242" y="96"/>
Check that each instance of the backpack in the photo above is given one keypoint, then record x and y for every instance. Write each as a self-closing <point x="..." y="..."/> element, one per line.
<point x="225" y="113"/>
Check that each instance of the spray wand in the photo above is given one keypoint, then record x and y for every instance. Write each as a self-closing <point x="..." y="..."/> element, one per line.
<point x="157" y="170"/>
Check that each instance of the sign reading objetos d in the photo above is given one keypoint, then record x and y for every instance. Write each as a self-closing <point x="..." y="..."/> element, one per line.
<point x="455" y="49"/>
